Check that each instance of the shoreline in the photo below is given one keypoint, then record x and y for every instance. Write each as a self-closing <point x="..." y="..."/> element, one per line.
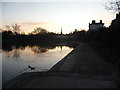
<point x="81" y="65"/>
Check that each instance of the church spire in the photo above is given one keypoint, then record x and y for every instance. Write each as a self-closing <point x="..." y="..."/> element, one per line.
<point x="61" y="31"/>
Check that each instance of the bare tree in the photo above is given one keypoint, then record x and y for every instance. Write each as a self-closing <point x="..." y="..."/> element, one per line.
<point x="16" y="28"/>
<point x="8" y="28"/>
<point x="114" y="5"/>
<point x="40" y="30"/>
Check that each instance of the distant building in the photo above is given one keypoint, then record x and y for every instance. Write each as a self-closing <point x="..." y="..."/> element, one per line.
<point x="96" y="26"/>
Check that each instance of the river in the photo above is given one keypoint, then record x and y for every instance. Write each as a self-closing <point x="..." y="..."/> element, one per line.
<point x="15" y="61"/>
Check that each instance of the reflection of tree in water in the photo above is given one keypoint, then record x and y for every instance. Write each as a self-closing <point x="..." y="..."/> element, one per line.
<point x="18" y="47"/>
<point x="7" y="54"/>
<point x="22" y="48"/>
<point x="61" y="46"/>
<point x="38" y="49"/>
<point x="14" y="50"/>
<point x="14" y="53"/>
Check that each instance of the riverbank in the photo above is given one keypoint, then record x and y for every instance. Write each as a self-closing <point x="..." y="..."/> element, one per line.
<point x="81" y="68"/>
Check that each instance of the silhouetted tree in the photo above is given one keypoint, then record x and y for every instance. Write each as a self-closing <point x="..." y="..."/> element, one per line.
<point x="40" y="30"/>
<point x="115" y="6"/>
<point x="8" y="28"/>
<point x="16" y="28"/>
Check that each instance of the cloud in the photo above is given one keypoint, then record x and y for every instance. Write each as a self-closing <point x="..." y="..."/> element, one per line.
<point x="34" y="23"/>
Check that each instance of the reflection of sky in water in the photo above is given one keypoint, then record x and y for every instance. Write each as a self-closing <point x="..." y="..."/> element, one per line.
<point x="16" y="61"/>
<point x="0" y="70"/>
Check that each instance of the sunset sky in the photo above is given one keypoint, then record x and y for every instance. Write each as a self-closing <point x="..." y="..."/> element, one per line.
<point x="54" y="14"/>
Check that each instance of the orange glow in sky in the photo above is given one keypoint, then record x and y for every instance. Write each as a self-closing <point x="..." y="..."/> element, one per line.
<point x="54" y="15"/>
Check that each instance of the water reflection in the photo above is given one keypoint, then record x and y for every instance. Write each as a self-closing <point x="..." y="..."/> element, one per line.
<point x="15" y="59"/>
<point x="15" y="53"/>
<point x="38" y="49"/>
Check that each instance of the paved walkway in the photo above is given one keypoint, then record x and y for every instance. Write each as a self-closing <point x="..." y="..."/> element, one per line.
<point x="81" y="68"/>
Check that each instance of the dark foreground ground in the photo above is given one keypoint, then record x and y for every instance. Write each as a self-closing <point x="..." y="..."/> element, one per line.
<point x="81" y="68"/>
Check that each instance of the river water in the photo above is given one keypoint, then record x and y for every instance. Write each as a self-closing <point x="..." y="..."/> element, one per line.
<point x="15" y="61"/>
